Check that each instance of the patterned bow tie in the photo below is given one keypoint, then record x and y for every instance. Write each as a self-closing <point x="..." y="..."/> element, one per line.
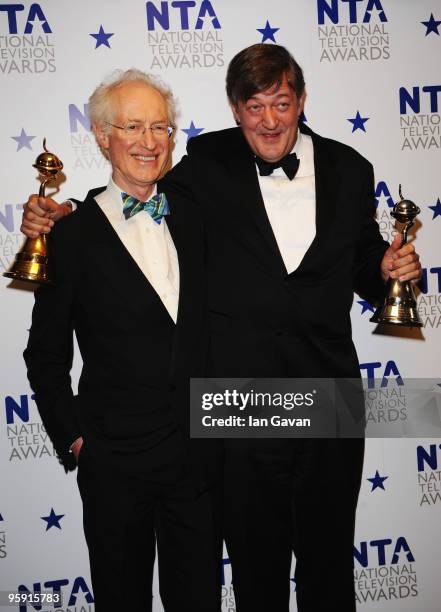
<point x="157" y="206"/>
<point x="289" y="165"/>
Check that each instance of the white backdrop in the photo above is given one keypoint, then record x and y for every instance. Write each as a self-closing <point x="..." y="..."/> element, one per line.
<point x="376" y="63"/>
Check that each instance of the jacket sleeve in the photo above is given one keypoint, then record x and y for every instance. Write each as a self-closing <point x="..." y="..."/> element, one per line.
<point x="370" y="248"/>
<point x="92" y="193"/>
<point x="49" y="352"/>
<point x="179" y="180"/>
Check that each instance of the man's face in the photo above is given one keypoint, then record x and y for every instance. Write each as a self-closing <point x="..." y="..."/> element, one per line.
<point x="137" y="161"/>
<point x="269" y="120"/>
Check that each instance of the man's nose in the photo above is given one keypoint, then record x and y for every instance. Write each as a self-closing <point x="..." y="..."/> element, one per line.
<point x="269" y="118"/>
<point x="148" y="140"/>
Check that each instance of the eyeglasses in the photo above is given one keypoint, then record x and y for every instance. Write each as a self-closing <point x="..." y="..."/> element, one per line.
<point x="136" y="130"/>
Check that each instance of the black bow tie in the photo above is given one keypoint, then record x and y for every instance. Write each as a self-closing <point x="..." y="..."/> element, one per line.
<point x="289" y="164"/>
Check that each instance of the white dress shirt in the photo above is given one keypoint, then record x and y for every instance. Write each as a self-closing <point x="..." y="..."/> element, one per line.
<point x="149" y="243"/>
<point x="290" y="205"/>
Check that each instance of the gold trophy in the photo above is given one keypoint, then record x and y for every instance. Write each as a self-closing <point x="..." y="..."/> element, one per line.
<point x="400" y="307"/>
<point x="31" y="262"/>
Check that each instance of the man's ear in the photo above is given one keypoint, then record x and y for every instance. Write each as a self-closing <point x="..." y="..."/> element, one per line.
<point x="235" y="113"/>
<point x="302" y="102"/>
<point x="101" y="135"/>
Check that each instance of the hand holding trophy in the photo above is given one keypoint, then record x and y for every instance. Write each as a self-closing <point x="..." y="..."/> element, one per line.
<point x="32" y="262"/>
<point x="400" y="307"/>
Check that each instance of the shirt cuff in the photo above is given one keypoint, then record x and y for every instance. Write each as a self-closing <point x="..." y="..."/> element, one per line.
<point x="71" y="203"/>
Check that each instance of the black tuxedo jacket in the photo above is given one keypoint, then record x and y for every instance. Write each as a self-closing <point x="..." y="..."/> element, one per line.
<point x="137" y="363"/>
<point x="263" y="321"/>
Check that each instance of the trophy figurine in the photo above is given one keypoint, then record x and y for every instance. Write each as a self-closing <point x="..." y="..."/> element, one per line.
<point x="31" y="262"/>
<point x="400" y="307"/>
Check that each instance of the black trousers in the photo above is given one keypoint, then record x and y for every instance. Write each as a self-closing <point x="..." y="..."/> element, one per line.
<point x="131" y="500"/>
<point x="294" y="495"/>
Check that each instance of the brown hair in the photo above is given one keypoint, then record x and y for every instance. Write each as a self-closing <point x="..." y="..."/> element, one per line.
<point x="259" y="67"/>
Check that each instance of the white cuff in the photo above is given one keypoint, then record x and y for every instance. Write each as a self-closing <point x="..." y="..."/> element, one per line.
<point x="71" y="203"/>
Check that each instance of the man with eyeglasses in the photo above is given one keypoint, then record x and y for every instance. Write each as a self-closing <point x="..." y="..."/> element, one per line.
<point x="130" y="282"/>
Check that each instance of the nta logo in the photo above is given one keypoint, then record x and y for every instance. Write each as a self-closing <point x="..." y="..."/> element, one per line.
<point x="19" y="409"/>
<point x="428" y="457"/>
<point x="382" y="552"/>
<point x="351" y="8"/>
<point x="35" y="13"/>
<point x="429" y="474"/>
<point x="78" y="590"/>
<point x="77" y="117"/>
<point x="386" y="570"/>
<point x="419" y="117"/>
<point x="412" y="99"/>
<point x="423" y="284"/>
<point x="28" y="49"/>
<point x="390" y="369"/>
<point x="180" y="35"/>
<point x="382" y="190"/>
<point x="180" y="9"/>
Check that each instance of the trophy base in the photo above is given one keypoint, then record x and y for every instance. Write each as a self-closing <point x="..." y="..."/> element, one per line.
<point x="397" y="314"/>
<point x="29" y="267"/>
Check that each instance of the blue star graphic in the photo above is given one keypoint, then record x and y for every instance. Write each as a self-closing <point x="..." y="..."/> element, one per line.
<point x="377" y="481"/>
<point x="101" y="38"/>
<point x="267" y="32"/>
<point x="358" y="122"/>
<point x="53" y="520"/>
<point x="192" y="131"/>
<point x="23" y="140"/>
<point x="431" y="25"/>
<point x="436" y="209"/>
<point x="365" y="306"/>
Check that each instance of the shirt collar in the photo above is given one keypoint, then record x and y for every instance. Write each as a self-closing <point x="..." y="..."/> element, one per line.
<point x="304" y="150"/>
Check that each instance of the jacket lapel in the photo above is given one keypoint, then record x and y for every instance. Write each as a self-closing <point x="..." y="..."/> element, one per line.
<point x="175" y="232"/>
<point x="247" y="202"/>
<point x="111" y="258"/>
<point x="327" y="181"/>
<point x="186" y="230"/>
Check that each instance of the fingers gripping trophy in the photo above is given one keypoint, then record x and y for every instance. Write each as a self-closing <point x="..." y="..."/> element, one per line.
<point x="400" y="307"/>
<point x="32" y="262"/>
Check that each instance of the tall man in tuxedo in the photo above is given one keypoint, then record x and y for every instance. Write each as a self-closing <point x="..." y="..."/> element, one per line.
<point x="291" y="235"/>
<point x="129" y="279"/>
<point x="289" y="239"/>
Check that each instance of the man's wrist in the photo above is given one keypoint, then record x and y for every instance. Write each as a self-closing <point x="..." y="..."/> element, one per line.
<point x="68" y="207"/>
<point x="75" y="447"/>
